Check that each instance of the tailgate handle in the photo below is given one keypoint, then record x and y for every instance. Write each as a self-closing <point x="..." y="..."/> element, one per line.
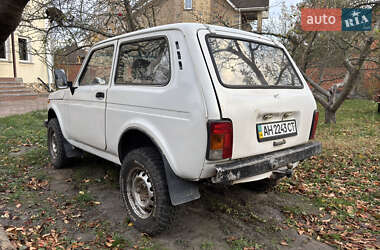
<point x="279" y="143"/>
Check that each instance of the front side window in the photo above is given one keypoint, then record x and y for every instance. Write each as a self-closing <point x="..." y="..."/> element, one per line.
<point x="98" y="68"/>
<point x="144" y="63"/>
<point x="188" y="4"/>
<point x="23" y="49"/>
<point x="3" y="51"/>
<point x="248" y="64"/>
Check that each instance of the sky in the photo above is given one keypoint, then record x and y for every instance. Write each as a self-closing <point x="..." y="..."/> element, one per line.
<point x="275" y="6"/>
<point x="274" y="22"/>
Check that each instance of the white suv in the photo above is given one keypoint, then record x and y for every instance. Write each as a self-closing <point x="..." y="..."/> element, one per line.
<point x="180" y="103"/>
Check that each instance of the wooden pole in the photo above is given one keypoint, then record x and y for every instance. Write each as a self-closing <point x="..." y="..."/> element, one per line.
<point x="14" y="56"/>
<point x="260" y="22"/>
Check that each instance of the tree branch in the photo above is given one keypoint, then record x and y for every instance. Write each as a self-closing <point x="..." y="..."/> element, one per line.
<point x="320" y="99"/>
<point x="353" y="74"/>
<point x="315" y="85"/>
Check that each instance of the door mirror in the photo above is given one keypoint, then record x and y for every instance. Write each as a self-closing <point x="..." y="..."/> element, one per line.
<point x="60" y="79"/>
<point x="72" y="88"/>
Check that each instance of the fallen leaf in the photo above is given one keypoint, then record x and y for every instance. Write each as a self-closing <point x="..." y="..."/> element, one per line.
<point x="284" y="243"/>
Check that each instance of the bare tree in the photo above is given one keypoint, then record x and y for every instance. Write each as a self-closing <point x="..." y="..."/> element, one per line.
<point x="350" y="51"/>
<point x="337" y="58"/>
<point x="78" y="24"/>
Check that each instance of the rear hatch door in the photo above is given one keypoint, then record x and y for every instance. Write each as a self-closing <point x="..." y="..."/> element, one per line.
<point x="259" y="89"/>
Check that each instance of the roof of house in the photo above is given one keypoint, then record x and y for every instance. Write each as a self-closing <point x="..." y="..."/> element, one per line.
<point x="241" y="4"/>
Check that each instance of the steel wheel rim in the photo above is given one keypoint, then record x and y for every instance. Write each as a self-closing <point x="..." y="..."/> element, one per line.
<point x="53" y="145"/>
<point x="140" y="191"/>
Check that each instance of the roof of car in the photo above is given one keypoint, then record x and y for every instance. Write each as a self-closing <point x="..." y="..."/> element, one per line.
<point x="187" y="28"/>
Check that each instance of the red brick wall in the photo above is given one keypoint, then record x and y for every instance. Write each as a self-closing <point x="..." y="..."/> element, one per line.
<point x="370" y="82"/>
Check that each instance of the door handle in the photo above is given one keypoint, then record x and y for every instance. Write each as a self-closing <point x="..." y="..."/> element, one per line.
<point x="99" y="95"/>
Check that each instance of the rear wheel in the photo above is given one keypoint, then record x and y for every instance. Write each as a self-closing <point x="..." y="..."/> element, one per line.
<point x="144" y="191"/>
<point x="56" y="144"/>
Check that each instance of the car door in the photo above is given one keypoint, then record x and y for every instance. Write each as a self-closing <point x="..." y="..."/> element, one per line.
<point x="86" y="106"/>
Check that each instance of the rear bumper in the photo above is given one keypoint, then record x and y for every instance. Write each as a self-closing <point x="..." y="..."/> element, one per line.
<point x="228" y="173"/>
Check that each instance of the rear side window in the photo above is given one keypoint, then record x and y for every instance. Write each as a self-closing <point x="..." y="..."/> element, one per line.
<point x="144" y="63"/>
<point x="246" y="64"/>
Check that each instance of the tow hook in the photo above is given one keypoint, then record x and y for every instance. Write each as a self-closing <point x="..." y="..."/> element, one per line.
<point x="279" y="173"/>
<point x="284" y="171"/>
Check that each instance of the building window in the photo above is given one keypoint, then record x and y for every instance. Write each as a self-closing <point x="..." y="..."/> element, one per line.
<point x="3" y="51"/>
<point x="23" y="49"/>
<point x="188" y="4"/>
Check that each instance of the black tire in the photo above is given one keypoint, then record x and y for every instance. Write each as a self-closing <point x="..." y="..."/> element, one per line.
<point x="56" y="144"/>
<point x="264" y="185"/>
<point x="144" y="191"/>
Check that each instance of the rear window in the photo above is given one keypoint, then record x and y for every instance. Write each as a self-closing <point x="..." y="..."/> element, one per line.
<point x="247" y="64"/>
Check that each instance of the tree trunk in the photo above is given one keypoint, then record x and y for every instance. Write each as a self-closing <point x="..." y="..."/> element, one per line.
<point x="10" y="16"/>
<point x="330" y="116"/>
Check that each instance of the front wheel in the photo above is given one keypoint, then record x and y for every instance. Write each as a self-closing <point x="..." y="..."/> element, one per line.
<point x="56" y="144"/>
<point x="144" y="191"/>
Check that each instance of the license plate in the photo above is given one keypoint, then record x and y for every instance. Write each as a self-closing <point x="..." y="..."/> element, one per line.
<point x="276" y="130"/>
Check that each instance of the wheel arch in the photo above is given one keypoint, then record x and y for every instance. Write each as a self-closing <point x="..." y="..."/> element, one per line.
<point x="133" y="138"/>
<point x="180" y="190"/>
<point x="53" y="112"/>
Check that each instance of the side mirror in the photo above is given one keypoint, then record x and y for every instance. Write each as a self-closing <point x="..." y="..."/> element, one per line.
<point x="60" y="79"/>
<point x="72" y="89"/>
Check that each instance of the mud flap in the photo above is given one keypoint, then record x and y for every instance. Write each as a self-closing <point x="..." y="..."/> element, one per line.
<point x="71" y="151"/>
<point x="180" y="191"/>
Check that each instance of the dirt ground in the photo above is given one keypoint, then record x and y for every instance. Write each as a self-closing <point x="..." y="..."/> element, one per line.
<point x="224" y="218"/>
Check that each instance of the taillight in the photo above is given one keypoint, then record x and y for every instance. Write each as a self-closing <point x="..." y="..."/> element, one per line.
<point x="219" y="140"/>
<point x="314" y="125"/>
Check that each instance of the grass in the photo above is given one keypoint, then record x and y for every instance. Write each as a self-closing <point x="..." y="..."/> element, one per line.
<point x="242" y="243"/>
<point x="344" y="180"/>
<point x="37" y="217"/>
